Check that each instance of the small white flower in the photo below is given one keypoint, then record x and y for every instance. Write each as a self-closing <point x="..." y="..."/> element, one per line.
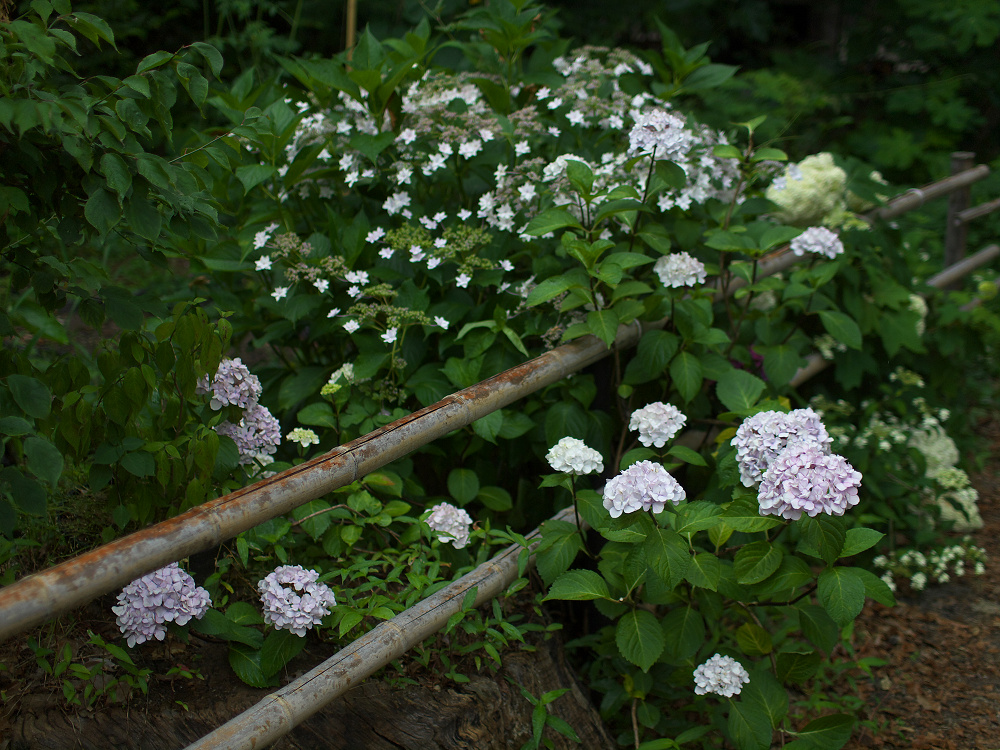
<point x="440" y="243"/>
<point x="354" y="291"/>
<point x="407" y="136"/>
<point x="506" y="265"/>
<point x="575" y="117"/>
<point x="351" y="326"/>
<point x="279" y="292"/>
<point x="521" y="148"/>
<point x="438" y="320"/>
<point x="463" y="280"/>
<point x="468" y="149"/>
<point x="322" y="285"/>
<point x="464" y="214"/>
<point x="433" y="262"/>
<point x="527" y="192"/>
<point x="333" y="313"/>
<point x="303" y="437"/>
<point x="356" y="277"/>
<point x="263" y="263"/>
<point x="386" y="252"/>
<point x="416" y="254"/>
<point x="554" y="131"/>
<point x="375" y="235"/>
<point x="389" y="336"/>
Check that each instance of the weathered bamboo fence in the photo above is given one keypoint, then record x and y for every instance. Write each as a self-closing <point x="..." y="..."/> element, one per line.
<point x="61" y="588"/>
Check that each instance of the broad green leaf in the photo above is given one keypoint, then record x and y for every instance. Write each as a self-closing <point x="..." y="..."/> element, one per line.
<point x="753" y="640"/>
<point x="551" y="287"/>
<point x="655" y="350"/>
<point x="687" y="455"/>
<point x="738" y="390"/>
<point x="842" y="327"/>
<point x="44" y="459"/>
<point x="798" y="667"/>
<point x="319" y="414"/>
<point x="280" y="647"/>
<point x="243" y="613"/>
<point x="559" y="547"/>
<point x="489" y="427"/>
<point x="705" y="571"/>
<point x="817" y="626"/>
<point x="684" y="632"/>
<point x="30" y="394"/>
<point x="15" y="426"/>
<point x="550" y="220"/>
<point x="251" y="175"/>
<point x="463" y="485"/>
<point x="766" y="694"/>
<point x="28" y="495"/>
<point x="828" y="732"/>
<point x="822" y="537"/>
<point x="781" y="362"/>
<point x="139" y="463"/>
<point x="102" y="210"/>
<point x="756" y="561"/>
<point x="875" y="587"/>
<point x="859" y="539"/>
<point x="495" y="498"/>
<point x="668" y="555"/>
<point x="744" y="515"/>
<point x="749" y="728"/>
<point x="696" y="516"/>
<point x="579" y="585"/>
<point x="640" y="638"/>
<point x="686" y="375"/>
<point x="842" y="594"/>
<point x="245" y="662"/>
<point x="604" y="325"/>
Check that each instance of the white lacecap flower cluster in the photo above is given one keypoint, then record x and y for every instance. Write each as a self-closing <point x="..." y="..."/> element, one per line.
<point x="642" y="486"/>
<point x="818" y="240"/>
<point x="919" y="568"/>
<point x="232" y="384"/>
<point x="450" y="524"/>
<point x="763" y="436"/>
<point x="573" y="456"/>
<point x="147" y="604"/>
<point x="303" y="436"/>
<point x="919" y="305"/>
<point x="810" y="192"/>
<point x="679" y="270"/>
<point x="721" y="675"/>
<point x="663" y="131"/>
<point x="293" y="599"/>
<point x="657" y="423"/>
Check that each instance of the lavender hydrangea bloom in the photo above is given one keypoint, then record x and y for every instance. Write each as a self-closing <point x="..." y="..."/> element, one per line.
<point x="657" y="423"/>
<point x="573" y="456"/>
<point x="722" y="675"/>
<point x="642" y="486"/>
<point x="232" y="385"/>
<point x="819" y="240"/>
<point x="805" y="479"/>
<point x="257" y="433"/>
<point x="679" y="270"/>
<point x="662" y="130"/>
<point x="147" y="604"/>
<point x="451" y="524"/>
<point x="294" y="600"/>
<point x="763" y="436"/>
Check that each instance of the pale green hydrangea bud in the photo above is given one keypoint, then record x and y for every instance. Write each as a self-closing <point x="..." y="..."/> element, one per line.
<point x="810" y="193"/>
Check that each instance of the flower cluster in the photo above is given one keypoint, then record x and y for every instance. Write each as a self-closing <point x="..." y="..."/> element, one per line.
<point x="763" y="436"/>
<point x="147" y="604"/>
<point x="721" y="675"/>
<point x="293" y="599"/>
<point x="573" y="456"/>
<point x="451" y="524"/>
<point x="918" y="567"/>
<point x="660" y="131"/>
<point x="819" y="240"/>
<point x="679" y="270"/>
<point x="303" y="437"/>
<point x="804" y="478"/>
<point x="257" y="434"/>
<point x="642" y="486"/>
<point x="232" y="385"/>
<point x="657" y="423"/>
<point x="810" y="192"/>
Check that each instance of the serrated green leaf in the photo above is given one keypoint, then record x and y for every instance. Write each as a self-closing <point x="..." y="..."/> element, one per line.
<point x="749" y="728"/>
<point x="828" y="732"/>
<point x="668" y="556"/>
<point x="463" y="485"/>
<point x="705" y="571"/>
<point x="550" y="220"/>
<point x="684" y="633"/>
<point x="686" y="375"/>
<point x="842" y="593"/>
<point x="558" y="549"/>
<point x="818" y="627"/>
<point x="44" y="459"/>
<point x="842" y="327"/>
<point x="738" y="390"/>
<point x="489" y="427"/>
<point x="245" y="662"/>
<point x="579" y="585"/>
<point x="31" y="395"/>
<point x="640" y="638"/>
<point x="756" y="561"/>
<point x="753" y="640"/>
<point x="280" y="647"/>
<point x="604" y="325"/>
<point x="495" y="498"/>
<point x="859" y="539"/>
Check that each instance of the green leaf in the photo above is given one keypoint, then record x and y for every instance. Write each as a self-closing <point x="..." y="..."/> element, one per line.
<point x="899" y="329"/>
<point x="245" y="662"/>
<point x="280" y="647"/>
<point x="749" y="728"/>
<point x="495" y="498"/>
<point x="817" y="626"/>
<point x="684" y="632"/>
<point x="686" y="375"/>
<point x="798" y="667"/>
<point x="604" y="325"/>
<point x="116" y="173"/>
<point x="558" y="549"/>
<point x="842" y="594"/>
<point x="655" y="350"/>
<point x="875" y="587"/>
<point x="212" y="56"/>
<point x="781" y="363"/>
<point x="550" y="220"/>
<point x="687" y="455"/>
<point x="640" y="638"/>
<point x="372" y="145"/>
<point x="744" y="515"/>
<point x="28" y="495"/>
<point x="822" y="537"/>
<point x="551" y="287"/>
<point x="463" y="485"/>
<point x="30" y="394"/>
<point x="696" y="516"/>
<point x="319" y="414"/>
<point x="15" y="426"/>
<point x="243" y="613"/>
<point x="859" y="539"/>
<point x="44" y="459"/>
<point x="705" y="571"/>
<point x="102" y="211"/>
<point x="579" y="585"/>
<point x="738" y="390"/>
<point x="842" y="327"/>
<point x="489" y="427"/>
<point x="143" y="218"/>
<point x="756" y="561"/>
<point x="766" y="694"/>
<point x="668" y="556"/>
<point x="251" y="175"/>
<point x="828" y="732"/>
<point x="753" y="640"/>
<point x="709" y="76"/>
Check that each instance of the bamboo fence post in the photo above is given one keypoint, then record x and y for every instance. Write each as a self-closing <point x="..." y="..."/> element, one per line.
<point x="955" y="230"/>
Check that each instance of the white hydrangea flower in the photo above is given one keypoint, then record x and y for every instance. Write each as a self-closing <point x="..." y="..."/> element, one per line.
<point x="663" y="131"/>
<point x="805" y="479"/>
<point x="451" y="524"/>
<point x="679" y="270"/>
<point x="657" y="423"/>
<point x="573" y="456"/>
<point x="810" y="192"/>
<point x="293" y="599"/>
<point x="763" y="436"/>
<point x="721" y="675"/>
<point x="819" y="240"/>
<point x="642" y="486"/>
<point x="147" y="604"/>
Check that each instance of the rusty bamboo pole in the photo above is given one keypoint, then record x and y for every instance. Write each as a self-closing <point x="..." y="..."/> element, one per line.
<point x="278" y="713"/>
<point x="916" y="197"/>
